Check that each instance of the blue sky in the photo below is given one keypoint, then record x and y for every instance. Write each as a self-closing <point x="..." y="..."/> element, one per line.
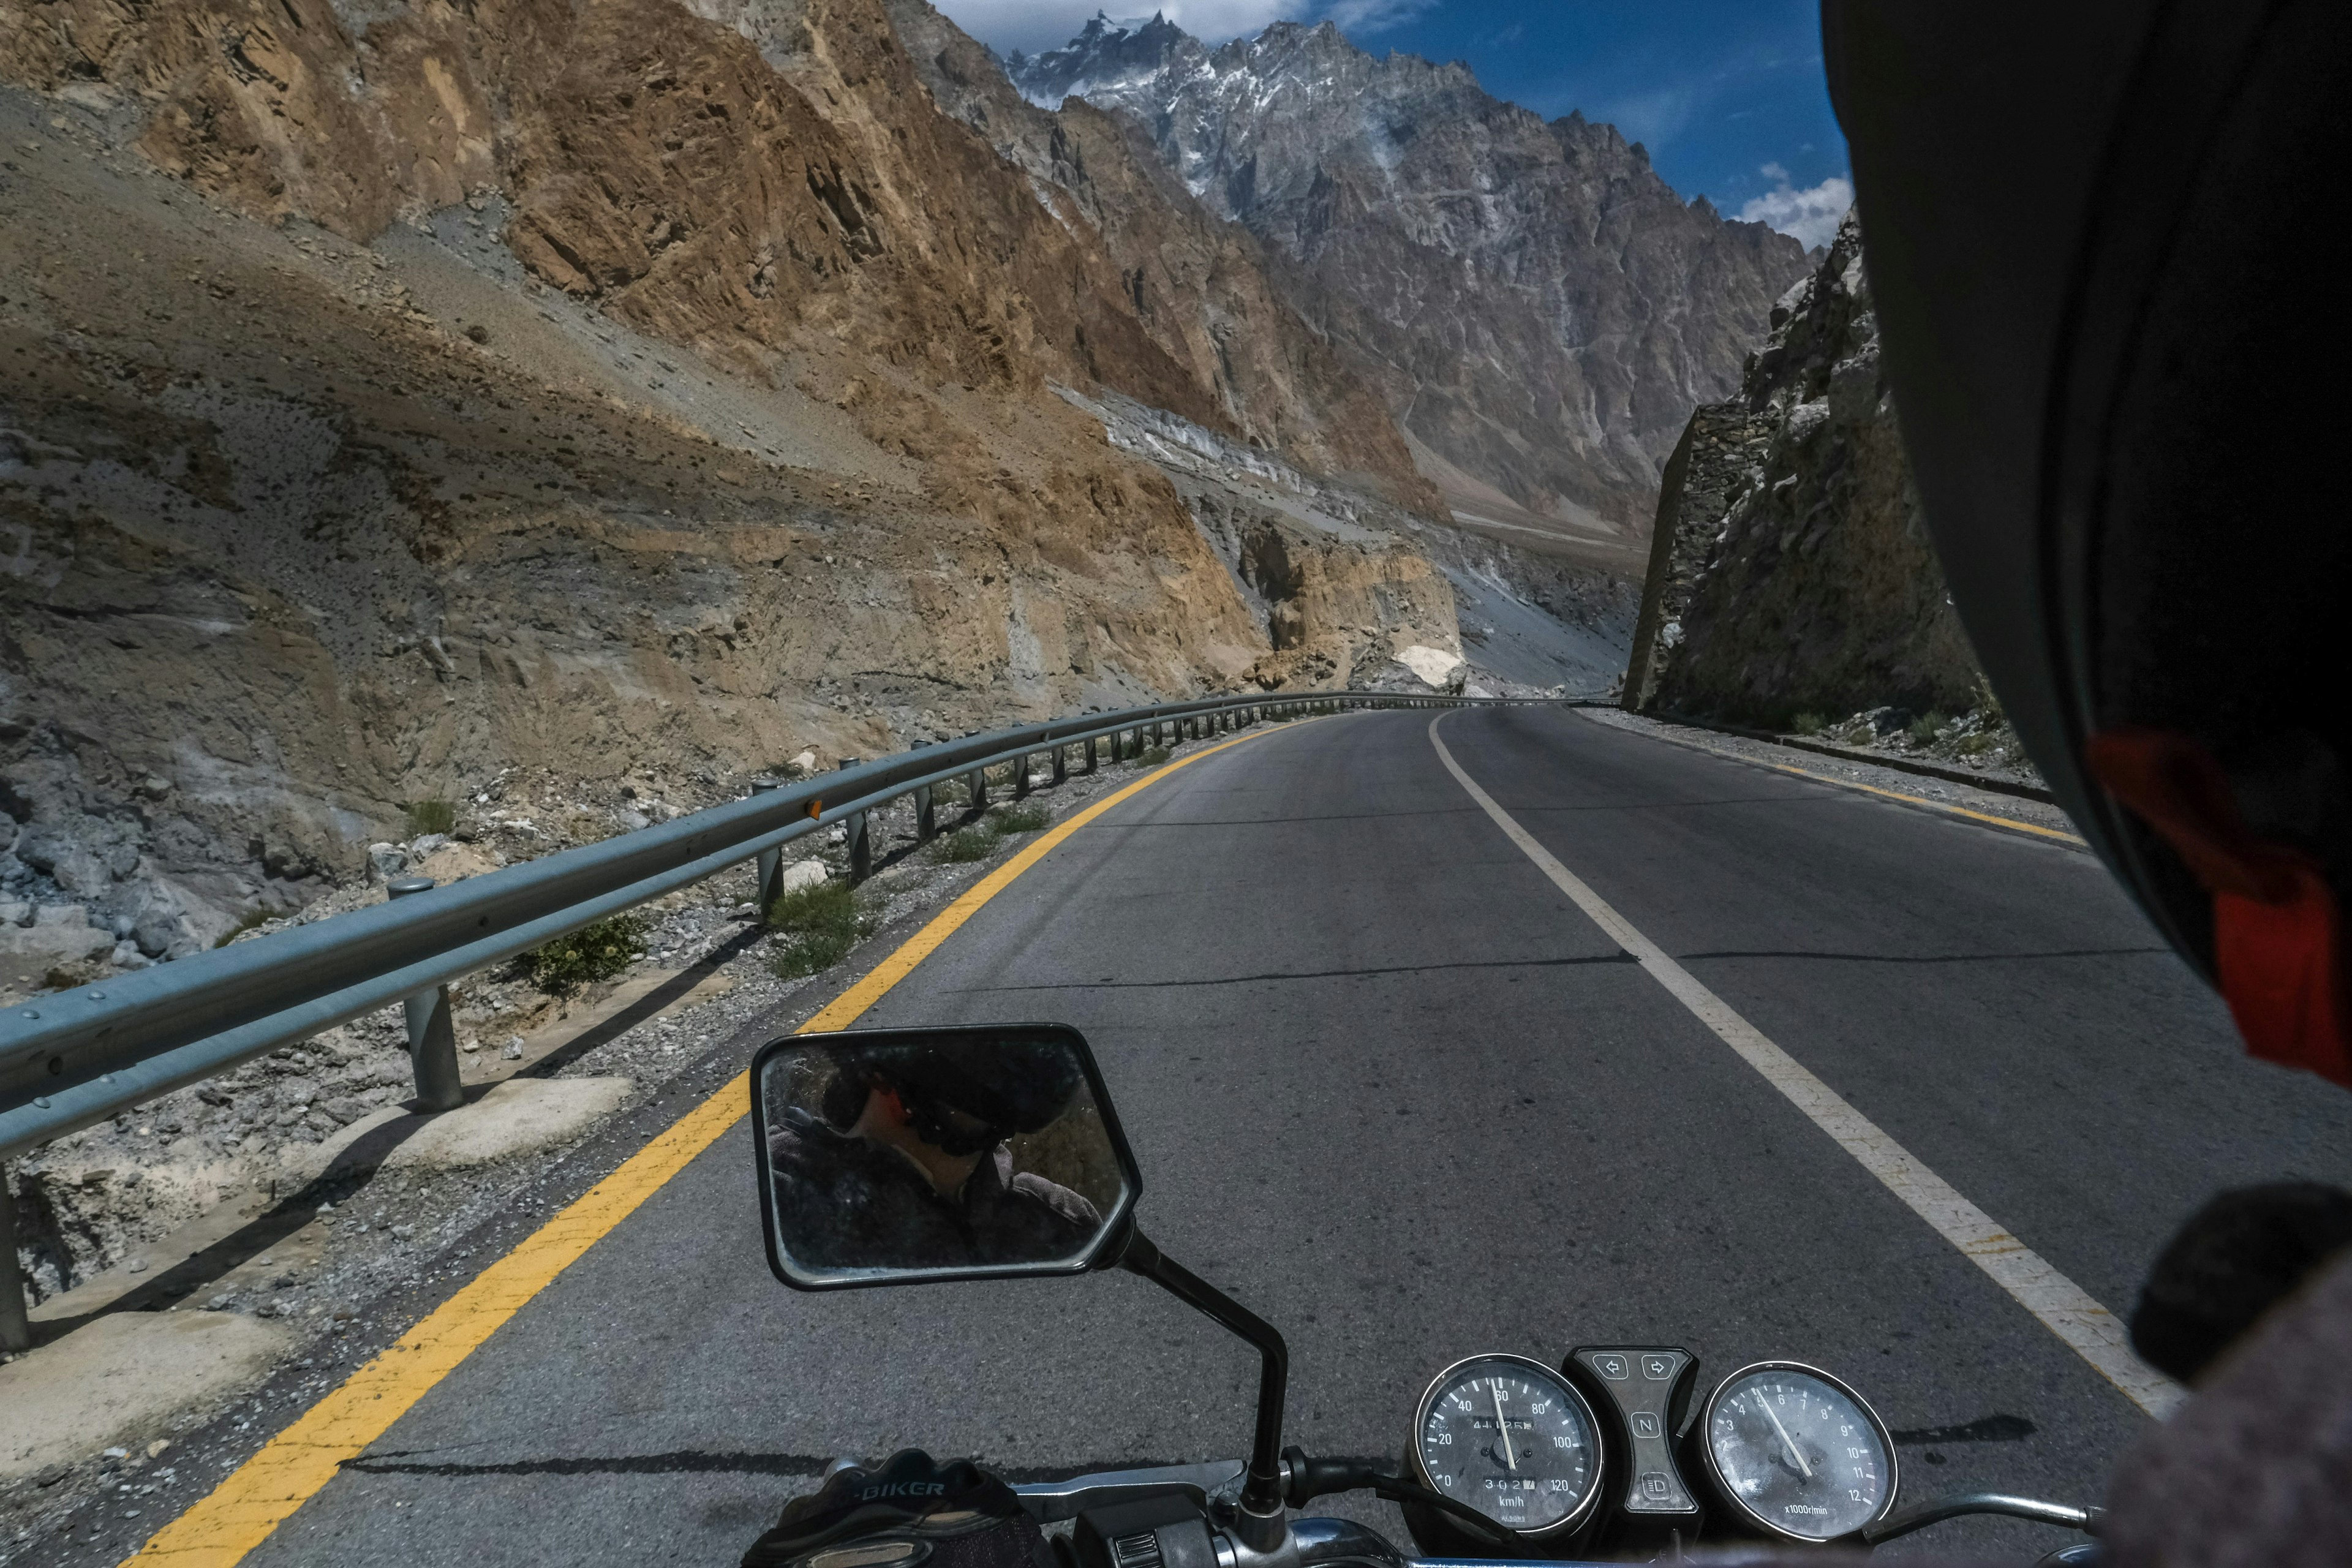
<point x="1726" y="95"/>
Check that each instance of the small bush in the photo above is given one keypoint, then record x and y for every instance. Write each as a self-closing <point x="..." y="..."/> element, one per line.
<point x="1026" y="818"/>
<point x="244" y="922"/>
<point x="1150" y="757"/>
<point x="1808" y="724"/>
<point x="1924" y="728"/>
<point x="1988" y="702"/>
<point x="967" y="844"/>
<point x="431" y="816"/>
<point x="592" y="953"/>
<point x="949" y="791"/>
<point x="819" y="924"/>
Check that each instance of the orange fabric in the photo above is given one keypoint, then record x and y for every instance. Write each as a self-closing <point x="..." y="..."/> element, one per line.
<point x="2277" y="947"/>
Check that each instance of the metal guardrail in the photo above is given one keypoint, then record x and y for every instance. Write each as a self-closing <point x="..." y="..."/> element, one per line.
<point x="71" y="1058"/>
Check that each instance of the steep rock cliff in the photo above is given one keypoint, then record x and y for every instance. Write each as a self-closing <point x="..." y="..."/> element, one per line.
<point x="1537" y="308"/>
<point x="1816" y="588"/>
<point x="1200" y="285"/>
<point x="391" y="398"/>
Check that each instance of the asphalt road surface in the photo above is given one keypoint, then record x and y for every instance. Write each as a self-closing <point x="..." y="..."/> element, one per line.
<point x="1394" y="1091"/>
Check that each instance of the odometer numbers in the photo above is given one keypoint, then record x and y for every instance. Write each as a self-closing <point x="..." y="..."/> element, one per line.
<point x="1508" y="1437"/>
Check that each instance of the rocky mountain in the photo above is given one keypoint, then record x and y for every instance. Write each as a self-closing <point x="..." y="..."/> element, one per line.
<point x="1792" y="570"/>
<point x="393" y="396"/>
<point x="1200" y="286"/>
<point x="1538" y="308"/>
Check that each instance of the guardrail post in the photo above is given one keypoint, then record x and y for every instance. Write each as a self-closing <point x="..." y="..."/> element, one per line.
<point x="926" y="817"/>
<point x="1021" y="776"/>
<point x="432" y="1037"/>
<point x="769" y="877"/>
<point x="1090" y="754"/>
<point x="16" y="1323"/>
<point x="861" y="843"/>
<point x="1061" y="761"/>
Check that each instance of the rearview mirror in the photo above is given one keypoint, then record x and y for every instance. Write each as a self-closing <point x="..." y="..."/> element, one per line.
<point x="914" y="1156"/>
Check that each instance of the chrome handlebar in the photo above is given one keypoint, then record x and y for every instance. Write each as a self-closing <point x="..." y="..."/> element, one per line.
<point x="1317" y="1542"/>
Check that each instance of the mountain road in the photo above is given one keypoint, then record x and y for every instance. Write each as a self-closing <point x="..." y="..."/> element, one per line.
<point x="1394" y="1090"/>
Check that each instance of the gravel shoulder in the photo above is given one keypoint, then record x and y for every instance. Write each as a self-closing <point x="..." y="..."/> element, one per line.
<point x="1932" y="792"/>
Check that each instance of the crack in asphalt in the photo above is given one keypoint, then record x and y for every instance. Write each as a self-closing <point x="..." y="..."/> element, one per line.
<point x="1929" y="958"/>
<point x="684" y="1460"/>
<point x="2001" y="1429"/>
<point x="1111" y="984"/>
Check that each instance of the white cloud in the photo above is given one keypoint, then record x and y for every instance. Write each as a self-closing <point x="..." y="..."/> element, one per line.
<point x="1811" y="216"/>
<point x="1361" y="16"/>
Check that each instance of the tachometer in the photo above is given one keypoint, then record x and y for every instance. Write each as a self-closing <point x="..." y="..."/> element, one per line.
<point x="1508" y="1437"/>
<point x="1796" y="1453"/>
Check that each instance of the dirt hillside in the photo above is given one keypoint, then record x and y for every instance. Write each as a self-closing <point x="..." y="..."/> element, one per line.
<point x="390" y="399"/>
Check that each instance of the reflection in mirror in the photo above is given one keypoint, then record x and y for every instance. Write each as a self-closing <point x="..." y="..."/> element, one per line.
<point x="892" y="1156"/>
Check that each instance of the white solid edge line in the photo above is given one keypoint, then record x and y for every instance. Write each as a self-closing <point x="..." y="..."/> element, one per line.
<point x="2064" y="1308"/>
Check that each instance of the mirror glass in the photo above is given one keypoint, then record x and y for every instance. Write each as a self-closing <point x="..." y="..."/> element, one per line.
<point x="902" y="1156"/>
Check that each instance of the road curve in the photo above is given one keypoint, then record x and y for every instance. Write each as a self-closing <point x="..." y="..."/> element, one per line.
<point x="1392" y="1089"/>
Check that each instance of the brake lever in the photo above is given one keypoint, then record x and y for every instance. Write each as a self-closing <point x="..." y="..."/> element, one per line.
<point x="1048" y="1502"/>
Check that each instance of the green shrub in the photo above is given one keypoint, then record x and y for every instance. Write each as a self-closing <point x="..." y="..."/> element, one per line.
<point x="1924" y="728"/>
<point x="244" y="922"/>
<point x="1026" y="818"/>
<point x="431" y="816"/>
<point x="819" y="925"/>
<point x="1988" y="702"/>
<point x="1808" y="724"/>
<point x="593" y="953"/>
<point x="966" y="845"/>
<point x="1150" y="757"/>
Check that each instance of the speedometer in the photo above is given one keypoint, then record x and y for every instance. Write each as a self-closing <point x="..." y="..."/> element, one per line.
<point x="1508" y="1437"/>
<point x="1796" y="1453"/>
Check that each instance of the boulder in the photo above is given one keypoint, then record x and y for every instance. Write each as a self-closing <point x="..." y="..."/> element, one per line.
<point x="52" y="954"/>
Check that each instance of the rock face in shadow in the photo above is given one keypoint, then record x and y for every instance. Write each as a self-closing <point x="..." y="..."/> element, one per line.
<point x="1718" y="460"/>
<point x="1535" y="306"/>
<point x="1792" y="571"/>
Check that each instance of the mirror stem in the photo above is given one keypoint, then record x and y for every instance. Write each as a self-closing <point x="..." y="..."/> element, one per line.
<point x="1261" y="1492"/>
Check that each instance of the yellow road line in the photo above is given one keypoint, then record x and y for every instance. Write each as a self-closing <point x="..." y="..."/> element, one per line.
<point x="2034" y="827"/>
<point x="260" y="1494"/>
<point x="2064" y="1308"/>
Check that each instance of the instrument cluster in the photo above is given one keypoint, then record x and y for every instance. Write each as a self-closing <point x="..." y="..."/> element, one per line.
<point x="1613" y="1449"/>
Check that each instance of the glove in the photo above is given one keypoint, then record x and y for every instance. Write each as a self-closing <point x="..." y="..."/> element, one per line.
<point x="910" y="1511"/>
